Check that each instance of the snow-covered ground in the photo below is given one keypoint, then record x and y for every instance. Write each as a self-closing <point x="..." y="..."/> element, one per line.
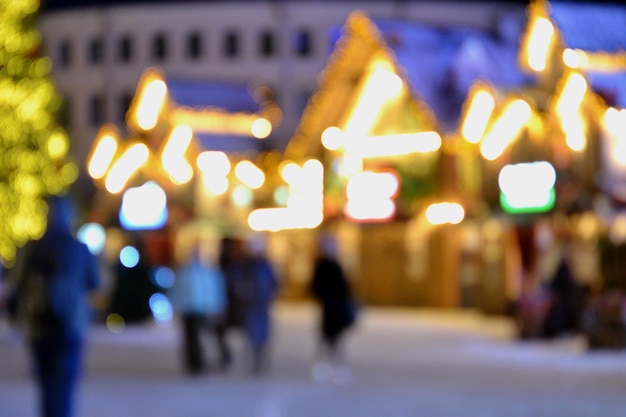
<point x="403" y="362"/>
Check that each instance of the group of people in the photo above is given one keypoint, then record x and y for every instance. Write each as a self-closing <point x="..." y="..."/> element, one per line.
<point x="54" y="277"/>
<point x="234" y="291"/>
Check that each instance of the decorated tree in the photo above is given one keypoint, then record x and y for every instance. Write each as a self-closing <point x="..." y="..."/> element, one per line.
<point x="34" y="160"/>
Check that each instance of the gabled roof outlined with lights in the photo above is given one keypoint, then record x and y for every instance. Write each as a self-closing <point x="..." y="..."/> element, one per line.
<point x="588" y="38"/>
<point x="228" y="117"/>
<point x="437" y="65"/>
<point x="172" y="122"/>
<point x="359" y="60"/>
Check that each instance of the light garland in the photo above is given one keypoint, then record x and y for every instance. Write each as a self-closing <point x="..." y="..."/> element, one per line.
<point x="34" y="149"/>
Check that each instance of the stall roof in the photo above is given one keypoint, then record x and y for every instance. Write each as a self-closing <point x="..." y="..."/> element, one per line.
<point x="590" y="26"/>
<point x="221" y="114"/>
<point x="442" y="63"/>
<point x="231" y="97"/>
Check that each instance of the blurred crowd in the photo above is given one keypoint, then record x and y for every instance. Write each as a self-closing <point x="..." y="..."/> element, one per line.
<point x="214" y="285"/>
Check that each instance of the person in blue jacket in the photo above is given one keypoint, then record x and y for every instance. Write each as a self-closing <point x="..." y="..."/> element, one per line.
<point x="56" y="314"/>
<point x="252" y="286"/>
<point x="199" y="297"/>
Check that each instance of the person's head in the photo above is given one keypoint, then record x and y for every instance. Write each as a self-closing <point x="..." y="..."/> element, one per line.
<point x="60" y="214"/>
<point x="257" y="244"/>
<point x="328" y="246"/>
<point x="232" y="248"/>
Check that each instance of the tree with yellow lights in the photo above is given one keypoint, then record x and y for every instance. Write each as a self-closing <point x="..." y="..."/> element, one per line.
<point x="33" y="148"/>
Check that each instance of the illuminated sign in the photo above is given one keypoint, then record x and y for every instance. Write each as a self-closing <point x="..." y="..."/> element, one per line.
<point x="527" y="187"/>
<point x="144" y="207"/>
<point x="370" y="196"/>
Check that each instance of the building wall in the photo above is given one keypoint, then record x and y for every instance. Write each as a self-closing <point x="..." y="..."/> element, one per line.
<point x="293" y="76"/>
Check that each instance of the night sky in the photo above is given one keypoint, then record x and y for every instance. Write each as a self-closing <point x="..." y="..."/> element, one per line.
<point x="61" y="4"/>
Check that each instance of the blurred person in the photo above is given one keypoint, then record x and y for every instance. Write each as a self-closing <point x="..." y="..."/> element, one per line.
<point x="52" y="279"/>
<point x="251" y="285"/>
<point x="133" y="286"/>
<point x="199" y="297"/>
<point x="562" y="316"/>
<point x="331" y="289"/>
<point x="258" y="320"/>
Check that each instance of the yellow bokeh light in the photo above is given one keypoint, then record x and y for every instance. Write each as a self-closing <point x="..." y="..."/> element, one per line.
<point x="250" y="174"/>
<point x="213" y="162"/>
<point x="58" y="145"/>
<point x="150" y="104"/>
<point x="442" y="213"/>
<point x="541" y="37"/>
<point x="332" y="138"/>
<point x="124" y="168"/>
<point x="477" y="116"/>
<point x="102" y="156"/>
<point x="261" y="128"/>
<point x="505" y="129"/>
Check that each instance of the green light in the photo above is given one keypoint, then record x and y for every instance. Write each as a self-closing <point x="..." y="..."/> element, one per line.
<point x="535" y="205"/>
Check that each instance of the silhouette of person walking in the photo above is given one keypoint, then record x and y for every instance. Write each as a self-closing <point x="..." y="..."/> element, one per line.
<point x="251" y="285"/>
<point x="199" y="296"/>
<point x="330" y="288"/>
<point x="52" y="278"/>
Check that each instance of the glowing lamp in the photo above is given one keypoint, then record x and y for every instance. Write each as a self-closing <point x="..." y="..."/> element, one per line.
<point x="445" y="213"/>
<point x="527" y="187"/>
<point x="125" y="167"/>
<point x="129" y="256"/>
<point x="151" y="102"/>
<point x="144" y="207"/>
<point x="249" y="174"/>
<point x="541" y="35"/>
<point x="394" y="145"/>
<point x="213" y="162"/>
<point x="614" y="122"/>
<point x="102" y="157"/>
<point x="370" y="196"/>
<point x="92" y="235"/>
<point x="505" y="129"/>
<point x="282" y="218"/>
<point x="477" y="116"/>
<point x="261" y="128"/>
<point x="332" y="138"/>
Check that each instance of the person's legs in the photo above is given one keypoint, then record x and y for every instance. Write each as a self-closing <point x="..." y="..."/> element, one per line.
<point x="192" y="346"/>
<point x="57" y="369"/>
<point x="221" y="337"/>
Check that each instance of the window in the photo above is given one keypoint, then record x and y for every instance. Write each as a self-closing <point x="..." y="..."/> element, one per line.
<point x="194" y="46"/>
<point x="65" y="53"/>
<point x="65" y="113"/>
<point x="302" y="43"/>
<point x="125" y="101"/>
<point x="96" y="110"/>
<point x="267" y="44"/>
<point x="159" y="47"/>
<point x="95" y="51"/>
<point x="125" y="49"/>
<point x="231" y="45"/>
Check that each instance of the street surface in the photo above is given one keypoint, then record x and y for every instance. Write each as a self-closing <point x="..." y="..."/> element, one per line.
<point x="404" y="363"/>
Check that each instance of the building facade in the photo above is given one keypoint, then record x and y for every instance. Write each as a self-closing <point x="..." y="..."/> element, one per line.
<point x="100" y="49"/>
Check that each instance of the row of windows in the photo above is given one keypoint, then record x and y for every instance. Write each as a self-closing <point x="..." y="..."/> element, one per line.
<point x="97" y="110"/>
<point x="194" y="47"/>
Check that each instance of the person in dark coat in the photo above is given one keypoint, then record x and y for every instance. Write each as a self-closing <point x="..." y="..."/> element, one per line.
<point x="251" y="286"/>
<point x="562" y="315"/>
<point x="331" y="289"/>
<point x="56" y="338"/>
